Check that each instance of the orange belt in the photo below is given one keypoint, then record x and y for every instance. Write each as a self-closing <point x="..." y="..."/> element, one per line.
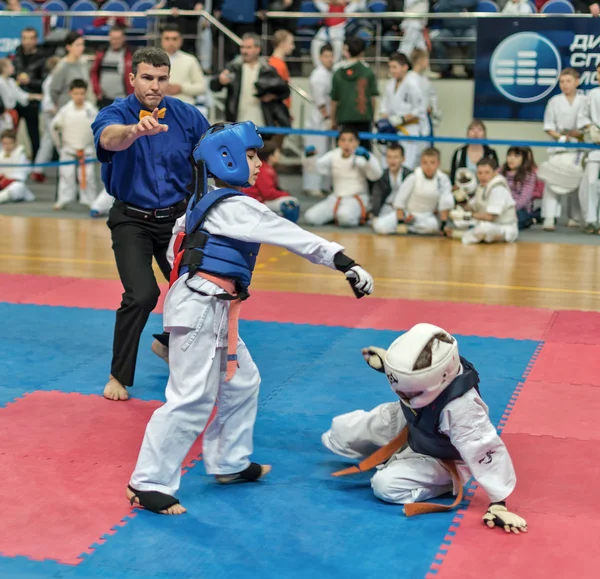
<point x="363" y="209"/>
<point x="81" y="160"/>
<point x="385" y="453"/>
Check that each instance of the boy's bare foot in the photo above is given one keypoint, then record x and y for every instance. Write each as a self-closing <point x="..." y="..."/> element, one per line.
<point x="172" y="510"/>
<point x="160" y="350"/>
<point x="114" y="390"/>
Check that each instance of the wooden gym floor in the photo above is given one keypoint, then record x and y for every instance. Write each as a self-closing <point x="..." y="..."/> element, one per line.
<point x="543" y="275"/>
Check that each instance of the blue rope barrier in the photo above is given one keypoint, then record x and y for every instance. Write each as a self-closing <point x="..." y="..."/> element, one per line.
<point x="52" y="164"/>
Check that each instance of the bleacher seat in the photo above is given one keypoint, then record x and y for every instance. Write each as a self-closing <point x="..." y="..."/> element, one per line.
<point x="487" y="6"/>
<point x="28" y="5"/>
<point x="308" y="6"/>
<point x="142" y="22"/>
<point x="533" y="6"/>
<point x="82" y="22"/>
<point x="557" y="7"/>
<point x="55" y="6"/>
<point x="377" y="6"/>
<point x="2" y="6"/>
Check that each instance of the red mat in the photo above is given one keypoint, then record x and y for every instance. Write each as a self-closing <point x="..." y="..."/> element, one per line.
<point x="559" y="410"/>
<point x="575" y="328"/>
<point x="345" y="311"/>
<point x="59" y="454"/>
<point x="568" y="364"/>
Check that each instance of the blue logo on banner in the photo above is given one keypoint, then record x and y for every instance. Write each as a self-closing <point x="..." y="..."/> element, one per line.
<point x="525" y="67"/>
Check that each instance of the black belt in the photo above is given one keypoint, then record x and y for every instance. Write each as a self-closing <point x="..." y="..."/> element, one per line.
<point x="152" y="214"/>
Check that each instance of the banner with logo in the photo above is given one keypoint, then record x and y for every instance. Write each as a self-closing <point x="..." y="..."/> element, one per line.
<point x="519" y="59"/>
<point x="10" y="31"/>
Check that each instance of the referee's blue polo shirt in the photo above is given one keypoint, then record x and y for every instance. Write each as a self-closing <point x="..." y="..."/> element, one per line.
<point x="154" y="171"/>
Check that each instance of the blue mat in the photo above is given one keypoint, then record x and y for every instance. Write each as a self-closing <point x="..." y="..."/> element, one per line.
<point x="299" y="521"/>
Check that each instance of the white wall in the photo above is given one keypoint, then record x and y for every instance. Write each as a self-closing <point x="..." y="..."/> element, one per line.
<point x="456" y="103"/>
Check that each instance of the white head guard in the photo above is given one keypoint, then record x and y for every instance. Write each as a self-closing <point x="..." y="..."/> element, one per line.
<point x="563" y="171"/>
<point x="418" y="388"/>
<point x="466" y="181"/>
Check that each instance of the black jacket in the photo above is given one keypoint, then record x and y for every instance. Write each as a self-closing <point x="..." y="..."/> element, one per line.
<point x="459" y="159"/>
<point x="34" y="65"/>
<point x="382" y="188"/>
<point x="275" y="112"/>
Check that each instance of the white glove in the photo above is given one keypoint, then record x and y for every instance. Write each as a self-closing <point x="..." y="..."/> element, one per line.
<point x="374" y="357"/>
<point x="360" y="280"/>
<point x="594" y="133"/>
<point x="460" y="214"/>
<point x="498" y="516"/>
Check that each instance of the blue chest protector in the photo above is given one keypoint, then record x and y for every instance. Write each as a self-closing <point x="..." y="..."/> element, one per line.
<point x="216" y="254"/>
<point x="423" y="423"/>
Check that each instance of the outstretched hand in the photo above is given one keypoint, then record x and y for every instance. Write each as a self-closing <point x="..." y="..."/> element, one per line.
<point x="149" y="126"/>
<point x="374" y="357"/>
<point x="499" y="516"/>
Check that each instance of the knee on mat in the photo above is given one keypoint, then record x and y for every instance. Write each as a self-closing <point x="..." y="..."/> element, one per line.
<point x="347" y="218"/>
<point x="387" y="488"/>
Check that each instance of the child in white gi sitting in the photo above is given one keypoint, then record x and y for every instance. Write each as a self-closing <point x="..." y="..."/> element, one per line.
<point x="490" y="215"/>
<point x="351" y="168"/>
<point x="422" y="202"/>
<point x="213" y="257"/>
<point x="12" y="179"/>
<point x="435" y="438"/>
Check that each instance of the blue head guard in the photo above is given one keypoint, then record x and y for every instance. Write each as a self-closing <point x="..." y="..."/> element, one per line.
<point x="223" y="150"/>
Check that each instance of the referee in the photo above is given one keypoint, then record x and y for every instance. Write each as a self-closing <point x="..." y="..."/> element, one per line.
<point x="144" y="143"/>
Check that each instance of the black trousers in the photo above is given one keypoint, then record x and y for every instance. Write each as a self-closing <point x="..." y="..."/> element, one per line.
<point x="31" y="115"/>
<point x="135" y="242"/>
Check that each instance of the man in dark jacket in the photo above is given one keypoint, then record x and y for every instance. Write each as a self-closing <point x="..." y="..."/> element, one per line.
<point x="255" y="92"/>
<point x="30" y="70"/>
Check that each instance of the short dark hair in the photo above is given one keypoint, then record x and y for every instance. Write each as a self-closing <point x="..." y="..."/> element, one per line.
<point x="356" y="46"/>
<point x="268" y="149"/>
<point x="71" y="37"/>
<point x="170" y="28"/>
<point x="9" y="134"/>
<point x="118" y="28"/>
<point x="350" y="131"/>
<point x="325" y="48"/>
<point x="395" y="147"/>
<point x="401" y="59"/>
<point x="431" y="152"/>
<point x="488" y="162"/>
<point x="78" y="83"/>
<point x="30" y="29"/>
<point x="151" y="55"/>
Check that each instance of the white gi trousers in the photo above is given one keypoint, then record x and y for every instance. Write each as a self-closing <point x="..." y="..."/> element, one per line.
<point x="552" y="204"/>
<point x="490" y="232"/>
<point x="588" y="193"/>
<point x="333" y="35"/>
<point x="408" y="477"/>
<point x="69" y="179"/>
<point x="197" y="365"/>
<point x="387" y="222"/>
<point x="348" y="214"/>
<point x="44" y="154"/>
<point x="16" y="191"/>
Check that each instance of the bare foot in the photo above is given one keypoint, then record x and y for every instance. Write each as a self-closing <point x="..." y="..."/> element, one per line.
<point x="114" y="390"/>
<point x="174" y="510"/>
<point x="160" y="350"/>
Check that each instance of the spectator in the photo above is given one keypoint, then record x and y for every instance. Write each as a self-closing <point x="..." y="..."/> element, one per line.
<point x="469" y="155"/>
<point x="15" y="6"/>
<point x="30" y="69"/>
<point x="283" y="46"/>
<point x="413" y="29"/>
<point x="353" y="91"/>
<point x="288" y="24"/>
<point x="187" y="25"/>
<point x="111" y="69"/>
<point x="71" y="67"/>
<point x="12" y="179"/>
<point x="519" y="172"/>
<point x="517" y="7"/>
<point x="585" y="7"/>
<point x="186" y="81"/>
<point x="255" y="92"/>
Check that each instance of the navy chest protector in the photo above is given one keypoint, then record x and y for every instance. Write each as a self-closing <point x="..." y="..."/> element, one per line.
<point x="218" y="255"/>
<point x="423" y="423"/>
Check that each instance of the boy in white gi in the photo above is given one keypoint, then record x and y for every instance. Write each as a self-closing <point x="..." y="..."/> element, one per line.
<point x="72" y="134"/>
<point x="213" y="257"/>
<point x="491" y="214"/>
<point x="420" y="63"/>
<point x="589" y="121"/>
<point x="12" y="179"/>
<point x="560" y="122"/>
<point x="443" y="419"/>
<point x="403" y="106"/>
<point x="351" y="168"/>
<point x="320" y="116"/>
<point x="422" y="202"/>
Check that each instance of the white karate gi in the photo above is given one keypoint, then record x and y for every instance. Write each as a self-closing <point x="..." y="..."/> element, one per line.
<point x="320" y="91"/>
<point x="589" y="114"/>
<point x="431" y="103"/>
<point x="204" y="39"/>
<point x="198" y="355"/>
<point x="412" y="28"/>
<point x="404" y="99"/>
<point x="495" y="199"/>
<point x="422" y="198"/>
<point x="350" y="197"/>
<point x="410" y="477"/>
<point x="12" y="95"/>
<point x="561" y="115"/>
<point x="16" y="191"/>
<point x="72" y="132"/>
<point x="333" y="35"/>
<point x="46" y="150"/>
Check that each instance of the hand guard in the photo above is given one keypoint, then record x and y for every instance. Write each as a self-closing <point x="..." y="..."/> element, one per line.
<point x="460" y="195"/>
<point x="594" y="134"/>
<point x="460" y="215"/>
<point x="374" y="357"/>
<point x="362" y="152"/>
<point x="360" y="280"/>
<point x="310" y="151"/>
<point x="498" y="516"/>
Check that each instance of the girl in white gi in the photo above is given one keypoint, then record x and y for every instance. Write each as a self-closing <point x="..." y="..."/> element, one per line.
<point x="403" y="106"/>
<point x="73" y="137"/>
<point x="351" y="168"/>
<point x="213" y="256"/>
<point x="491" y="214"/>
<point x="320" y="116"/>
<point x="589" y="121"/>
<point x="12" y="179"/>
<point x="334" y="31"/>
<point x="449" y="433"/>
<point x="422" y="202"/>
<point x="560" y="122"/>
